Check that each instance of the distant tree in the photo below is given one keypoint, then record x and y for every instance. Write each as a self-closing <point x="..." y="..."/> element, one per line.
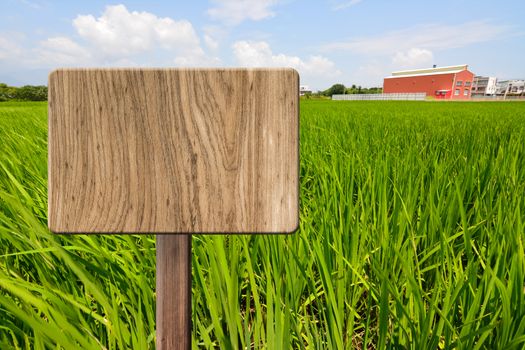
<point x="352" y="90"/>
<point x="375" y="90"/>
<point x="335" y="89"/>
<point x="31" y="93"/>
<point x="24" y="93"/>
<point x="3" y="88"/>
<point x="6" y="92"/>
<point x="360" y="90"/>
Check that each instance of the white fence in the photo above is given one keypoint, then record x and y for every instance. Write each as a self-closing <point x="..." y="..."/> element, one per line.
<point x="418" y="96"/>
<point x="497" y="98"/>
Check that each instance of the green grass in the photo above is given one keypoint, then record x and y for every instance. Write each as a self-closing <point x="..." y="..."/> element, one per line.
<point x="412" y="236"/>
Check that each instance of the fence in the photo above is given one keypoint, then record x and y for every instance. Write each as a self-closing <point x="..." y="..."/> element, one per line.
<point x="418" y="96"/>
<point x="498" y="98"/>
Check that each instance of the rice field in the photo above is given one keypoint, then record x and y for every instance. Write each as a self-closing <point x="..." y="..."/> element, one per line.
<point x="411" y="236"/>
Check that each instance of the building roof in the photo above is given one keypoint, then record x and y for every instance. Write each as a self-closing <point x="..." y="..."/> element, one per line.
<point x="429" y="71"/>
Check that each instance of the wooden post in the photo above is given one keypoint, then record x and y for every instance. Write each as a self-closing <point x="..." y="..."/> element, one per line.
<point x="173" y="292"/>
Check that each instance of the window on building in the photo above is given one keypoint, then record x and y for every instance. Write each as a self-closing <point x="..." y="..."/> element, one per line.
<point x="456" y="93"/>
<point x="467" y="83"/>
<point x="459" y="83"/>
<point x="465" y="92"/>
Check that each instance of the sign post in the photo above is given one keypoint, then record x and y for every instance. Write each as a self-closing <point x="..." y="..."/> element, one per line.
<point x="173" y="291"/>
<point x="173" y="152"/>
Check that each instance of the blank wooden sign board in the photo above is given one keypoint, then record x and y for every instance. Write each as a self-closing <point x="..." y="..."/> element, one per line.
<point x="177" y="151"/>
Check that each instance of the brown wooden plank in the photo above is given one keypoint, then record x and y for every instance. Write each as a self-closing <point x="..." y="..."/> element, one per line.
<point x="173" y="150"/>
<point x="173" y="292"/>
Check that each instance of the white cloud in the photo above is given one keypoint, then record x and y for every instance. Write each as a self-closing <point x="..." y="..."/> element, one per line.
<point x="413" y="58"/>
<point x="345" y="5"/>
<point x="214" y="36"/>
<point x="8" y="48"/>
<point x="252" y="54"/>
<point x="429" y="37"/>
<point x="233" y="12"/>
<point x="117" y="37"/>
<point x="210" y="42"/>
<point x="123" y="38"/>
<point x="369" y="74"/>
<point x="412" y="47"/>
<point x="197" y="60"/>
<point x="61" y="51"/>
<point x="259" y="54"/>
<point x="119" y="32"/>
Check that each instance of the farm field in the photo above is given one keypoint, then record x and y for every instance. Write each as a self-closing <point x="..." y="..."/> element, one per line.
<point x="411" y="236"/>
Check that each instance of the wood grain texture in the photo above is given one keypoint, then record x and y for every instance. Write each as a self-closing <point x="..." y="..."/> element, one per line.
<point x="173" y="292"/>
<point x="173" y="150"/>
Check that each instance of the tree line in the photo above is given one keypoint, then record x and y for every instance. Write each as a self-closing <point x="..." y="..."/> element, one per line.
<point x="339" y="89"/>
<point x="23" y="93"/>
<point x="39" y="92"/>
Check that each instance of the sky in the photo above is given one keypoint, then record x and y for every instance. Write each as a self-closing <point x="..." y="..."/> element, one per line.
<point x="331" y="41"/>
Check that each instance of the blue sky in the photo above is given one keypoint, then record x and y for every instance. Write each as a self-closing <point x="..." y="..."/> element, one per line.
<point x="347" y="41"/>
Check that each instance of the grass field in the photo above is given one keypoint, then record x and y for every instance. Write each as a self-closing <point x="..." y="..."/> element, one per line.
<point x="412" y="236"/>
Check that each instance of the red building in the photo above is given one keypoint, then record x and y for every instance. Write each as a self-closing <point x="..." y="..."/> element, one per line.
<point x="452" y="82"/>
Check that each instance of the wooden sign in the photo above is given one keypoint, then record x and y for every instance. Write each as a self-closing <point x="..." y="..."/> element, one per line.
<point x="173" y="150"/>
